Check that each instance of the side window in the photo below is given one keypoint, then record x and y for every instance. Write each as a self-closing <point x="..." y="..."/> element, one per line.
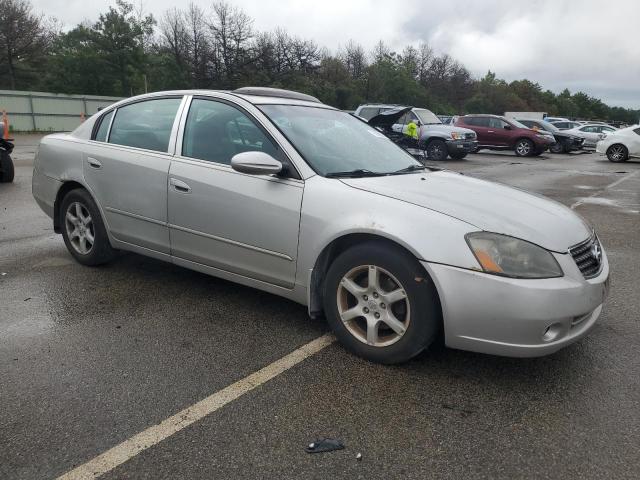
<point x="637" y="131"/>
<point x="496" y="123"/>
<point x="404" y="119"/>
<point x="412" y="117"/>
<point x="145" y="124"/>
<point x="105" y="120"/>
<point x="471" y="120"/>
<point x="216" y="131"/>
<point x="528" y="123"/>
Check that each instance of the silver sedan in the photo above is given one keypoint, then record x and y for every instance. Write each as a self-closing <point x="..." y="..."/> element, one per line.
<point x="273" y="189"/>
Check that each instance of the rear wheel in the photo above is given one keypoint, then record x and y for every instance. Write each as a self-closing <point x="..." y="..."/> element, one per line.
<point x="524" y="147"/>
<point x="380" y="303"/>
<point x="617" y="153"/>
<point x="83" y="230"/>
<point x="6" y="167"/>
<point x="436" y="150"/>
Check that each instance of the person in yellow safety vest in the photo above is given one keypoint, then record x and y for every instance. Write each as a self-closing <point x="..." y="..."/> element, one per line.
<point x="412" y="130"/>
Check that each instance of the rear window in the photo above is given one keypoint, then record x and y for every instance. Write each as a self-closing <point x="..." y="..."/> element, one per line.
<point x="145" y="124"/>
<point x="477" y="121"/>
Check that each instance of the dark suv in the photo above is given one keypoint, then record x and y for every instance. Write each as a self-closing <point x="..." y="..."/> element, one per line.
<point x="498" y="133"/>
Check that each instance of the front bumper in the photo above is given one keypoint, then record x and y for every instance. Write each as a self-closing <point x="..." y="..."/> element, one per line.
<point x="461" y="146"/>
<point x="515" y="317"/>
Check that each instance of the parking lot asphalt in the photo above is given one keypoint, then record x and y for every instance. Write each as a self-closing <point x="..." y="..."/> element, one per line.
<point x="91" y="356"/>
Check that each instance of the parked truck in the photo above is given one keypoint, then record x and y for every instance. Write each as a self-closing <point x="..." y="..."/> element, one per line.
<point x="526" y="115"/>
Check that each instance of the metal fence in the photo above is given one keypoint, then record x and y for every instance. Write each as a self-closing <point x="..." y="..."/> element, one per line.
<point x="49" y="112"/>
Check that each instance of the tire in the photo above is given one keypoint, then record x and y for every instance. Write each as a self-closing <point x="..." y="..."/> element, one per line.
<point x="414" y="314"/>
<point x="557" y="147"/>
<point x="458" y="155"/>
<point x="436" y="150"/>
<point x="7" y="171"/>
<point x="524" y="147"/>
<point x="84" y="222"/>
<point x="617" y="153"/>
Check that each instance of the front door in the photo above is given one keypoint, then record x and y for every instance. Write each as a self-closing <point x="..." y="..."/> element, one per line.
<point x="126" y="168"/>
<point x="244" y="224"/>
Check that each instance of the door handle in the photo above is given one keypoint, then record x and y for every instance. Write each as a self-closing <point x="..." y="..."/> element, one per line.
<point x="179" y="186"/>
<point x="491" y="131"/>
<point x="94" y="163"/>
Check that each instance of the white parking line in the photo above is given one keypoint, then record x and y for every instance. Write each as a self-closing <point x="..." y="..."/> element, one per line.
<point x="600" y="192"/>
<point x="126" y="450"/>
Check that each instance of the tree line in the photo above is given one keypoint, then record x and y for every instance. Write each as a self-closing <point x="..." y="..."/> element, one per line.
<point x="127" y="52"/>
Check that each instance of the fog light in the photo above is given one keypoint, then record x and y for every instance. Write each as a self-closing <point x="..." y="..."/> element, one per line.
<point x="552" y="332"/>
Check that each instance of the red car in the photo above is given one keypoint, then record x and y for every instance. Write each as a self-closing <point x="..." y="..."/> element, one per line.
<point x="499" y="133"/>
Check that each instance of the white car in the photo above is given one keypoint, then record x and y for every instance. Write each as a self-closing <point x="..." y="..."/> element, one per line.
<point x="591" y="133"/>
<point x="618" y="146"/>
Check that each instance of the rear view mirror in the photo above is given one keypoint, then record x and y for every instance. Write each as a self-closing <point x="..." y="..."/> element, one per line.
<point x="255" y="163"/>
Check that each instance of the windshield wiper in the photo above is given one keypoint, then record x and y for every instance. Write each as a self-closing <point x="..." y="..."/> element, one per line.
<point x="360" y="172"/>
<point x="410" y="168"/>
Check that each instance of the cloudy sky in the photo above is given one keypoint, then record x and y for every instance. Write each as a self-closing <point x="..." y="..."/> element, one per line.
<point x="588" y="45"/>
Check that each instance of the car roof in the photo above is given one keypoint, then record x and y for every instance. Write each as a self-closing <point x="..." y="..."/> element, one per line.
<point x="254" y="95"/>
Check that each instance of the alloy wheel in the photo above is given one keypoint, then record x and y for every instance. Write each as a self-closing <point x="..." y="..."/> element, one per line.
<point x="523" y="148"/>
<point x="617" y="153"/>
<point x="373" y="305"/>
<point x="80" y="229"/>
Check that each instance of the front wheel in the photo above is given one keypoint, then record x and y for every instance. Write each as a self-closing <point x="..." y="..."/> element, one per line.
<point x="6" y="167"/>
<point x="380" y="303"/>
<point x="436" y="150"/>
<point x="617" y="153"/>
<point x="524" y="147"/>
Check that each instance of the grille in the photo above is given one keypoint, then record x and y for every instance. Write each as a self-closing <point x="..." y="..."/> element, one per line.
<point x="588" y="256"/>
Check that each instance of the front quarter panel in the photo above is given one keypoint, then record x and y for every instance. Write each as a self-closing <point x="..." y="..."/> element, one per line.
<point x="332" y="209"/>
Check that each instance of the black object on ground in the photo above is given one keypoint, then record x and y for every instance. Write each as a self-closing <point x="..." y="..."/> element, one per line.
<point x="325" y="445"/>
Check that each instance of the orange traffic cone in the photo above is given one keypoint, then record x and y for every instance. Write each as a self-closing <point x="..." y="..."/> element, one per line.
<point x="5" y="121"/>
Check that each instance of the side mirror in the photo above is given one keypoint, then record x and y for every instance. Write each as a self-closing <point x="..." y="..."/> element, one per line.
<point x="507" y="127"/>
<point x="255" y="163"/>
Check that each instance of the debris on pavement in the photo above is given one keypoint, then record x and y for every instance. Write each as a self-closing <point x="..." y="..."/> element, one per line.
<point x="325" y="445"/>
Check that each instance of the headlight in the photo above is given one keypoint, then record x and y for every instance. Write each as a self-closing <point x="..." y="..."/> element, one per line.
<point x="512" y="257"/>
<point x="457" y="136"/>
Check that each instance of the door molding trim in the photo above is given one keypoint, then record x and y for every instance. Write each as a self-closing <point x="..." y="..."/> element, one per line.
<point x="232" y="242"/>
<point x="135" y="215"/>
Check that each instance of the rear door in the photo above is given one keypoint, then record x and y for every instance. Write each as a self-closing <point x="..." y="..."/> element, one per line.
<point x="239" y="223"/>
<point x="481" y="126"/>
<point x="126" y="167"/>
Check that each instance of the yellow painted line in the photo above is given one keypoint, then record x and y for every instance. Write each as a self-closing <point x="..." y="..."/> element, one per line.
<point x="128" y="449"/>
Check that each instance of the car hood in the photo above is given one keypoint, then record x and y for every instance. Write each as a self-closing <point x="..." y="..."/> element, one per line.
<point x="486" y="205"/>
<point x="446" y="128"/>
<point x="388" y="117"/>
